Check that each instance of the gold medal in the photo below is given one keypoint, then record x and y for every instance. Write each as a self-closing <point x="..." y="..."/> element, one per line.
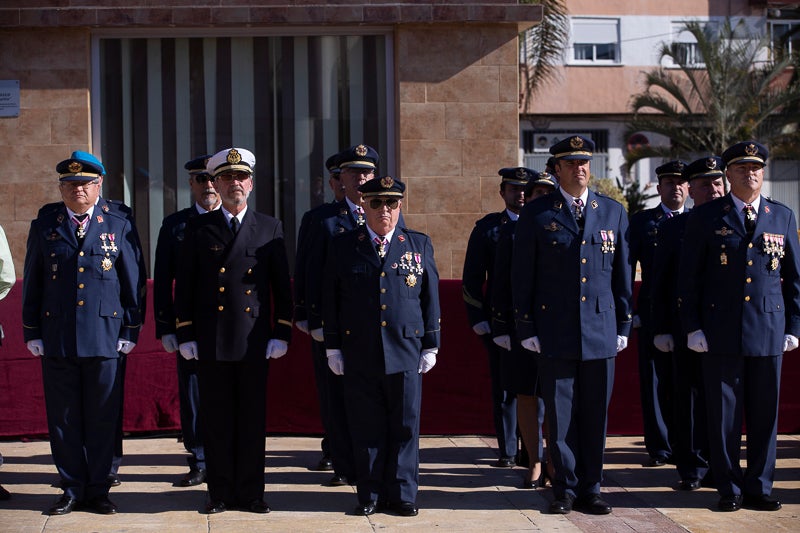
<point x="773" y="264"/>
<point x="106" y="264"/>
<point x="411" y="280"/>
<point x="723" y="258"/>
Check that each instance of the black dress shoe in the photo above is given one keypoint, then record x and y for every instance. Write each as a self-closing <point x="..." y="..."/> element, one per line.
<point x="4" y="494"/>
<point x="659" y="460"/>
<point x="405" y="509"/>
<point x="258" y="506"/>
<point x="102" y="505"/>
<point x="505" y="462"/>
<point x="113" y="480"/>
<point x="366" y="509"/>
<point x="728" y="504"/>
<point x="214" y="507"/>
<point x="527" y="484"/>
<point x="593" y="504"/>
<point x="64" y="505"/>
<point x="561" y="505"/>
<point x="325" y="464"/>
<point x="689" y="484"/>
<point x="337" y="481"/>
<point x="761" y="502"/>
<point x="195" y="476"/>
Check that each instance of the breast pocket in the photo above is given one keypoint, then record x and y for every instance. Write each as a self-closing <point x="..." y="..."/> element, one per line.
<point x="103" y="261"/>
<point x="604" y="245"/>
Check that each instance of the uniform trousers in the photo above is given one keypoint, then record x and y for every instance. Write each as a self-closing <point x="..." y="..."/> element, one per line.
<point x="334" y="414"/>
<point x="655" y="385"/>
<point x="504" y="402"/>
<point x="233" y="421"/>
<point x="118" y="432"/>
<point x="576" y="395"/>
<point x="189" y="397"/>
<point x="83" y="399"/>
<point x="690" y="428"/>
<point x="383" y="413"/>
<point x="319" y="361"/>
<point x="738" y="386"/>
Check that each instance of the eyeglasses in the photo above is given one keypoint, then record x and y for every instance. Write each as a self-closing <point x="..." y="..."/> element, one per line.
<point x="377" y="203"/>
<point x="202" y="179"/>
<point x="231" y="176"/>
<point x="79" y="184"/>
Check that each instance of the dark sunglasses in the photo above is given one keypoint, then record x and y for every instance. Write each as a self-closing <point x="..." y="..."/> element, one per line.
<point x="203" y="178"/>
<point x="377" y="203"/>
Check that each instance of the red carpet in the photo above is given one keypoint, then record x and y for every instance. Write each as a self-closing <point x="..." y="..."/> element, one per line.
<point x="455" y="393"/>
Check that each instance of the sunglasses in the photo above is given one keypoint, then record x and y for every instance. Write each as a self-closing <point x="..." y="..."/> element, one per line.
<point x="231" y="176"/>
<point x="377" y="203"/>
<point x="203" y="178"/>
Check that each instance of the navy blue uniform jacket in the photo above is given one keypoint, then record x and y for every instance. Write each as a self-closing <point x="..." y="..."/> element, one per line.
<point x="168" y="249"/>
<point x="478" y="275"/>
<point x="730" y="287"/>
<point x="381" y="315"/>
<point x="572" y="289"/>
<point x="79" y="301"/>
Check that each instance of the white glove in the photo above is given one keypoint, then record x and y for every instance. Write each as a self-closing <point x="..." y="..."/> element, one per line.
<point x="276" y="348"/>
<point x="696" y="341"/>
<point x="427" y="359"/>
<point x="622" y="343"/>
<point x="188" y="350"/>
<point x="790" y="342"/>
<point x="36" y="347"/>
<point x="482" y="328"/>
<point x="664" y="342"/>
<point x="335" y="361"/>
<point x="503" y="341"/>
<point x="125" y="346"/>
<point x="636" y="322"/>
<point x="169" y="342"/>
<point x="532" y="344"/>
<point x="317" y="335"/>
<point x="302" y="325"/>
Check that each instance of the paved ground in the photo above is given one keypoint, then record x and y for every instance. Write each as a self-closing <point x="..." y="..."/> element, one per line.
<point x="460" y="491"/>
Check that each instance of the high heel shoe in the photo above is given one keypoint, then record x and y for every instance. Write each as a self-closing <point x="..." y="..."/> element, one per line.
<point x="531" y="483"/>
<point x="544" y="477"/>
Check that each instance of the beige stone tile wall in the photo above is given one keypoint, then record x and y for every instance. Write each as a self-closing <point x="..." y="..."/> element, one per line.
<point x="458" y="124"/>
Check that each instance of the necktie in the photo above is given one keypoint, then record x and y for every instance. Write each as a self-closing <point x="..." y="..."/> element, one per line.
<point x="749" y="218"/>
<point x="577" y="208"/>
<point x="81" y="221"/>
<point x="380" y="246"/>
<point x="234" y="225"/>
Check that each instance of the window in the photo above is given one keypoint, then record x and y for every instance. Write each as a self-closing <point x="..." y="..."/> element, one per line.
<point x="784" y="38"/>
<point x="293" y="101"/>
<point x="595" y="40"/>
<point x="684" y="48"/>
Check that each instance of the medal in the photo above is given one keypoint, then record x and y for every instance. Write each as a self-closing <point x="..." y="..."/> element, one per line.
<point x="106" y="264"/>
<point x="411" y="280"/>
<point x="723" y="258"/>
<point x="773" y="264"/>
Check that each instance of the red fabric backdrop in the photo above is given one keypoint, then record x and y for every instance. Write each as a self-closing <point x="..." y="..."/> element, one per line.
<point x="455" y="393"/>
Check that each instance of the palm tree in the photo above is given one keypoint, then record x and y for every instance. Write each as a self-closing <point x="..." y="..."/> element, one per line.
<point x="541" y="48"/>
<point x="734" y="88"/>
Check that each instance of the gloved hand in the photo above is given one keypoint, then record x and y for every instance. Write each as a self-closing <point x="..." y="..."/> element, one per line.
<point x="125" y="346"/>
<point x="427" y="359"/>
<point x="188" y="350"/>
<point x="503" y="341"/>
<point x="696" y="341"/>
<point x="532" y="344"/>
<point x="790" y="342"/>
<point x="276" y="348"/>
<point x="36" y="347"/>
<point x="622" y="342"/>
<point x="482" y="328"/>
<point x="664" y="342"/>
<point x="302" y="325"/>
<point x="317" y="335"/>
<point x="636" y="322"/>
<point x="335" y="361"/>
<point x="169" y="342"/>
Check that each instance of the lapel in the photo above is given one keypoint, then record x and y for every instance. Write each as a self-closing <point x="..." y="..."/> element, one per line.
<point x="366" y="248"/>
<point x="398" y="246"/>
<point x="66" y="228"/>
<point x="762" y="218"/>
<point x="563" y="212"/>
<point x="732" y="218"/>
<point x="97" y="225"/>
<point x="237" y="244"/>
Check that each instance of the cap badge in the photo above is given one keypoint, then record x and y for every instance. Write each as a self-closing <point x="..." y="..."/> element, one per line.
<point x="521" y="174"/>
<point x="679" y="165"/>
<point x="361" y="150"/>
<point x="751" y="149"/>
<point x="711" y="163"/>
<point x="234" y="156"/>
<point x="387" y="182"/>
<point x="75" y="167"/>
<point x="576" y="143"/>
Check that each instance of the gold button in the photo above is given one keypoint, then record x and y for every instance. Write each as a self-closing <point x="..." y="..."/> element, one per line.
<point x="583" y="279"/>
<point x="416" y="332"/>
<point x="583" y="298"/>
<point x="383" y="290"/>
<point x="525" y="315"/>
<point x="54" y="276"/>
<point x="746" y="298"/>
<point x="246" y="309"/>
<point x="383" y="323"/>
<point x="583" y="260"/>
<point x="248" y="292"/>
<point x="383" y="307"/>
<point x="220" y="308"/>
<point x="81" y="269"/>
<point x="222" y="289"/>
<point x="80" y="302"/>
<point x="383" y="274"/>
<point x="749" y="280"/>
<point x="222" y="270"/>
<point x="583" y="242"/>
<point x="544" y="307"/>
<point x="750" y="263"/>
<point x="80" y="285"/>
<point x="52" y="254"/>
<point x="81" y="253"/>
<point x="555" y="242"/>
<point x="249" y="270"/>
<point x="750" y="245"/>
<point x="47" y="313"/>
<point x="115" y="313"/>
<point x="108" y="255"/>
<point x="347" y="332"/>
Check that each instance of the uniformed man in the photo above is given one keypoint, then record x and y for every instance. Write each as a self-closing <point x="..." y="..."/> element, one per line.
<point x="572" y="291"/>
<point x="82" y="293"/>
<point x="234" y="309"/>
<point x="655" y="367"/>
<point x="168" y="247"/>
<point x="478" y="281"/>
<point x="357" y="165"/>
<point x="381" y="309"/>
<point x="688" y="437"/>
<point x="737" y="313"/>
<point x="301" y="266"/>
<point x="522" y="371"/>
